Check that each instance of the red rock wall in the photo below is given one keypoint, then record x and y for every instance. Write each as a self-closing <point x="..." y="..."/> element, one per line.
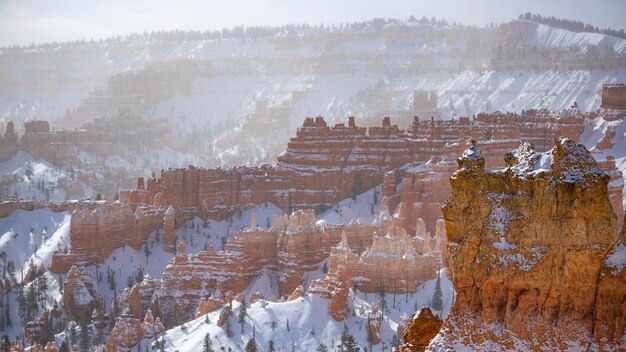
<point x="97" y="228"/>
<point x="614" y="96"/>
<point x="9" y="143"/>
<point x="526" y="250"/>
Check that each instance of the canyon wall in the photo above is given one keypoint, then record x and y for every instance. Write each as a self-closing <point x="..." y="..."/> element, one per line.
<point x="527" y="253"/>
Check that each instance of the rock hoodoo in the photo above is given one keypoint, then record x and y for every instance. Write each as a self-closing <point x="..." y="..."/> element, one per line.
<point x="533" y="253"/>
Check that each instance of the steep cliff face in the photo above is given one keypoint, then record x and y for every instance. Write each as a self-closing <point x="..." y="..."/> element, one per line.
<point x="97" y="228"/>
<point x="610" y="313"/>
<point x="80" y="294"/>
<point x="128" y="331"/>
<point x="528" y="252"/>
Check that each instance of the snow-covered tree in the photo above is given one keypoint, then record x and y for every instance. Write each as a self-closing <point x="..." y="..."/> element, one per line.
<point x="251" y="346"/>
<point x="207" y="346"/>
<point x="241" y="317"/>
<point x="437" y="296"/>
<point x="321" y="348"/>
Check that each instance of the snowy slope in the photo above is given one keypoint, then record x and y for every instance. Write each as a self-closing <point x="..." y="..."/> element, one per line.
<point x="27" y="236"/>
<point x="365" y="74"/>
<point x="363" y="208"/>
<point x="304" y="315"/>
<point x="546" y="36"/>
<point x="35" y="178"/>
<point x="127" y="262"/>
<point x="595" y="130"/>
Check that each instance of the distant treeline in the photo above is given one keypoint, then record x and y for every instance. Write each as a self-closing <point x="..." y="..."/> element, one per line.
<point x="253" y="32"/>
<point x="571" y="25"/>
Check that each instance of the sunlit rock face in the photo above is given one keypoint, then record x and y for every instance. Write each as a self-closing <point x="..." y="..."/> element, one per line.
<point x="533" y="252"/>
<point x="80" y="293"/>
<point x="420" y="331"/>
<point x="128" y="331"/>
<point x="392" y="263"/>
<point x="98" y="228"/>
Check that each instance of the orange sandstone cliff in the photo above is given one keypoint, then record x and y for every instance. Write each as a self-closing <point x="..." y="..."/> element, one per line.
<point x="534" y="254"/>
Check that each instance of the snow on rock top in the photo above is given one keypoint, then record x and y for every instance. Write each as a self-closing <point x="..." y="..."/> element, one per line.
<point x="471" y="159"/>
<point x="617" y="258"/>
<point x="567" y="161"/>
<point x="472" y="152"/>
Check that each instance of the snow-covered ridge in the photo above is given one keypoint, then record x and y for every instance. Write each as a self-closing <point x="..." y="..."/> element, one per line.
<point x="544" y="36"/>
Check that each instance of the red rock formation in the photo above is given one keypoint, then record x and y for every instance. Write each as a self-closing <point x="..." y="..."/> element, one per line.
<point x="8" y="143"/>
<point x="169" y="227"/>
<point x="391" y="263"/>
<point x="297" y="293"/>
<point x="321" y="165"/>
<point x="610" y="309"/>
<point x="420" y="331"/>
<point x="256" y="296"/>
<point x="526" y="249"/>
<point x="207" y="305"/>
<point x="224" y="315"/>
<point x="137" y="299"/>
<point x="335" y="286"/>
<point x="292" y="246"/>
<point x="128" y="331"/>
<point x="80" y="294"/>
<point x="614" y="96"/>
<point x="37" y="330"/>
<point x="98" y="228"/>
<point x="374" y="321"/>
<point x="616" y="187"/>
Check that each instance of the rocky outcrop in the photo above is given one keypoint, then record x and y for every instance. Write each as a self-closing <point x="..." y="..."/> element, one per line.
<point x="97" y="228"/>
<point x="138" y="298"/>
<point x="80" y="294"/>
<point x="610" y="309"/>
<point x="420" y="331"/>
<point x="207" y="305"/>
<point x="37" y="330"/>
<point x="224" y="315"/>
<point x="292" y="246"/>
<point x="527" y="252"/>
<point x="614" y="96"/>
<point x="128" y="331"/>
<point x="9" y="143"/>
<point x="324" y="164"/>
<point x="390" y="264"/>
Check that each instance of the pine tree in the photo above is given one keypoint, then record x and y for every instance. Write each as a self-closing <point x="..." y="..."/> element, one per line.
<point x="146" y="252"/>
<point x="42" y="283"/>
<point x="241" y="317"/>
<point x="6" y="343"/>
<point x="270" y="346"/>
<point x="383" y="301"/>
<point x="63" y="347"/>
<point x="348" y="343"/>
<point x="321" y="348"/>
<point x="84" y="336"/>
<point x="73" y="335"/>
<point x="207" y="347"/>
<point x="251" y="346"/>
<point x="229" y="329"/>
<point x="437" y="297"/>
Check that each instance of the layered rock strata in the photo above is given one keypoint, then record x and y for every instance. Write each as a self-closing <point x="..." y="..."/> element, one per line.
<point x="533" y="253"/>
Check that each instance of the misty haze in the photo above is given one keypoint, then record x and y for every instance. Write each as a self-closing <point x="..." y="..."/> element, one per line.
<point x="427" y="176"/>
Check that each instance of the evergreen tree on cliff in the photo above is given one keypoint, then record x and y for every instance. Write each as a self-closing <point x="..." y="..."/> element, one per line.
<point x="251" y="346"/>
<point x="207" y="346"/>
<point x="437" y="301"/>
<point x="322" y="348"/>
<point x="348" y="343"/>
<point x="241" y="317"/>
